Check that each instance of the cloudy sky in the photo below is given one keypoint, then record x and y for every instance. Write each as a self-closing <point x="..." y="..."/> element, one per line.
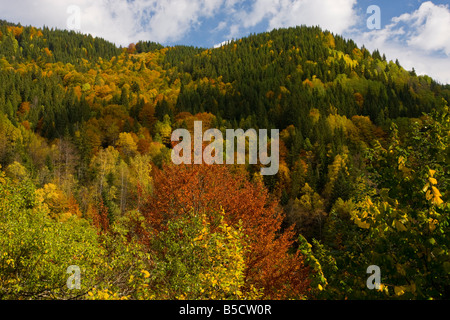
<point x="417" y="33"/>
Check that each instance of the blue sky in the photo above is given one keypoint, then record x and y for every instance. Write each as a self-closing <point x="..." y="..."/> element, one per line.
<point x="417" y="33"/>
<point x="206" y="35"/>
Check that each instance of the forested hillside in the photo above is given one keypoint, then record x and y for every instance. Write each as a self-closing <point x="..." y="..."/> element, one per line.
<point x="86" y="176"/>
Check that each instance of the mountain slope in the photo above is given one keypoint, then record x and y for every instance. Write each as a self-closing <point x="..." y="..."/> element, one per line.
<point x="85" y="142"/>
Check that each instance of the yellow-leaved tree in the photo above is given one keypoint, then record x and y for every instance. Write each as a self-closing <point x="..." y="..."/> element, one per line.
<point x="196" y="259"/>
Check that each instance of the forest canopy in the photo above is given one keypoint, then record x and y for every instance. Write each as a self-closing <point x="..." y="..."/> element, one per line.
<point x="86" y="177"/>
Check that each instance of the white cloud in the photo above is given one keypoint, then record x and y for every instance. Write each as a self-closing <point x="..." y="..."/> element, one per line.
<point x="119" y="21"/>
<point x="222" y="25"/>
<point x="334" y="15"/>
<point x="430" y="27"/>
<point x="173" y="19"/>
<point x="419" y="40"/>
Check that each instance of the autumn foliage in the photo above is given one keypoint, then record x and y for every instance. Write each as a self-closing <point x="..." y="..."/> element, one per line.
<point x="86" y="176"/>
<point x="206" y="189"/>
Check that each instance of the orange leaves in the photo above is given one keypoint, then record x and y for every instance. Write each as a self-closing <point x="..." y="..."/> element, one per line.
<point x="143" y="146"/>
<point x="131" y="48"/>
<point x="104" y="92"/>
<point x="48" y="52"/>
<point x="100" y="217"/>
<point x="270" y="94"/>
<point x="77" y="91"/>
<point x="59" y="205"/>
<point x="26" y="124"/>
<point x="359" y="99"/>
<point x="35" y="33"/>
<point x="309" y="83"/>
<point x="207" y="189"/>
<point x="16" y="31"/>
<point x="23" y="109"/>
<point x="188" y="119"/>
<point x="147" y="115"/>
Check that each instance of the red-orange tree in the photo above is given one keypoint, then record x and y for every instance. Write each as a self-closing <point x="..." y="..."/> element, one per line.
<point x="208" y="189"/>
